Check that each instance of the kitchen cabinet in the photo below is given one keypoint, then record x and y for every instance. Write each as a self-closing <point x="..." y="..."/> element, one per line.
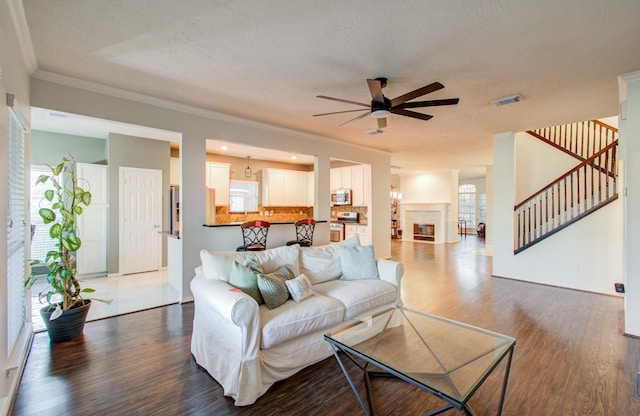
<point x="174" y="171"/>
<point x="360" y="185"/>
<point x="361" y="230"/>
<point x="341" y="178"/>
<point x="311" y="186"/>
<point x="218" y="179"/>
<point x="357" y="178"/>
<point x="284" y="188"/>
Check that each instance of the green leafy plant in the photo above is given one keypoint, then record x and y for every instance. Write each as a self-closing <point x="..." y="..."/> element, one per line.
<point x="62" y="203"/>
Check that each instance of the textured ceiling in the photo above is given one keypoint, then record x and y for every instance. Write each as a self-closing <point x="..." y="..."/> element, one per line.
<point x="267" y="61"/>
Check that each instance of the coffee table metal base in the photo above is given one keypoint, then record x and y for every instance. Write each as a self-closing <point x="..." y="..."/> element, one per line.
<point x="369" y="410"/>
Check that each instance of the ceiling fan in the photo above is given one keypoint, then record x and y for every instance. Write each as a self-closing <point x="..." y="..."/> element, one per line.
<point x="381" y="106"/>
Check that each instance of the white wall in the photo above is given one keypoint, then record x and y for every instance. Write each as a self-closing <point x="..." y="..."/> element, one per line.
<point x="587" y="255"/>
<point x="196" y="125"/>
<point x="630" y="163"/>
<point x="434" y="188"/>
<point x="537" y="164"/>
<point x="14" y="79"/>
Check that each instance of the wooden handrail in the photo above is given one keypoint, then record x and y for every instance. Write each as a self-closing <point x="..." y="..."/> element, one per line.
<point x="569" y="173"/>
<point x="605" y="125"/>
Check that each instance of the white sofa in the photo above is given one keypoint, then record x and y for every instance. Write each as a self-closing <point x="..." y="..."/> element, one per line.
<point x="247" y="347"/>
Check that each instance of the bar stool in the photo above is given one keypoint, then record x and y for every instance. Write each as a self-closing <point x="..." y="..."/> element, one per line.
<point x="304" y="232"/>
<point x="254" y="235"/>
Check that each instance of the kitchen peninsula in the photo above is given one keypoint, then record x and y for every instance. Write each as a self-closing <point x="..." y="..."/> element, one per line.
<point x="228" y="236"/>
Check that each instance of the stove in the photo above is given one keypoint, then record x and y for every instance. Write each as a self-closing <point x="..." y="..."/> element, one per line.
<point x="347" y="216"/>
<point x="336" y="227"/>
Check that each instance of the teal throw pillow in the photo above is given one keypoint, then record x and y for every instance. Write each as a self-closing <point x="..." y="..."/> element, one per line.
<point x="273" y="287"/>
<point x="358" y="263"/>
<point x="245" y="278"/>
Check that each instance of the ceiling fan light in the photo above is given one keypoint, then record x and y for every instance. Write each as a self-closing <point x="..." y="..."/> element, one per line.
<point x="380" y="113"/>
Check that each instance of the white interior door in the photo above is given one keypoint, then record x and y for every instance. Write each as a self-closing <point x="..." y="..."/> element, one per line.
<point x="92" y="224"/>
<point x="140" y="219"/>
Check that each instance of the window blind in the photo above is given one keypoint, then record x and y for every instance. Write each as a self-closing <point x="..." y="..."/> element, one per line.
<point x="16" y="259"/>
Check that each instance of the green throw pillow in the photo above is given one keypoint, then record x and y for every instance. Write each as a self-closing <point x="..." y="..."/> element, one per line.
<point x="245" y="278"/>
<point x="358" y="263"/>
<point x="273" y="288"/>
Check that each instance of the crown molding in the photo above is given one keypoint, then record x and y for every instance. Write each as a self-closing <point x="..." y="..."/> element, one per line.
<point x="183" y="108"/>
<point x="631" y="76"/>
<point x="19" y="20"/>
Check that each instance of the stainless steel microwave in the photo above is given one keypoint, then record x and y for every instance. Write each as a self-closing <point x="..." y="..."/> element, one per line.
<point x="341" y="197"/>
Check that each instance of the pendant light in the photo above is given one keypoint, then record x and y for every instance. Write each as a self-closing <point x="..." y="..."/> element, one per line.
<point x="247" y="171"/>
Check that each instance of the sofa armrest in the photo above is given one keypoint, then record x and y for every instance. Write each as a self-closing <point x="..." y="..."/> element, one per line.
<point x="392" y="272"/>
<point x="234" y="307"/>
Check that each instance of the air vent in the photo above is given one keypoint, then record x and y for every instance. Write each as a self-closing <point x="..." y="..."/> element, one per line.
<point x="510" y="99"/>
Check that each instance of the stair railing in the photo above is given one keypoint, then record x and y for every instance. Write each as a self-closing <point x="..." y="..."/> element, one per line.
<point x="580" y="140"/>
<point x="577" y="193"/>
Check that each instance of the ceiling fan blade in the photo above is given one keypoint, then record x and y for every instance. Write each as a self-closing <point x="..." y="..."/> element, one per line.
<point x="413" y="114"/>
<point x="416" y="93"/>
<point x="375" y="87"/>
<point x="431" y="103"/>
<point x="382" y="123"/>
<point x="337" y="112"/>
<point x="363" y="115"/>
<point x="342" y="101"/>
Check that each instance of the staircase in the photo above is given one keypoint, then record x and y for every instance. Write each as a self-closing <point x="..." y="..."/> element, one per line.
<point x="590" y="185"/>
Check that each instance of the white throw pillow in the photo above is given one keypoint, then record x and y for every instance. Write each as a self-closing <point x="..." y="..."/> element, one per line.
<point x="322" y="263"/>
<point x="299" y="288"/>
<point x="274" y="258"/>
<point x="217" y="264"/>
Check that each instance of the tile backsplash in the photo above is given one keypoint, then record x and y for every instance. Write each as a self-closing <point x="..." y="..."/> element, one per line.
<point x="271" y="214"/>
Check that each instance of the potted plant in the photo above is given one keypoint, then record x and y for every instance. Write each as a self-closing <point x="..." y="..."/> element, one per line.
<point x="66" y="310"/>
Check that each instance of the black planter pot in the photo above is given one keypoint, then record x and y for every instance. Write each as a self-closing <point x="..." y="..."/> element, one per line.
<point x="68" y="325"/>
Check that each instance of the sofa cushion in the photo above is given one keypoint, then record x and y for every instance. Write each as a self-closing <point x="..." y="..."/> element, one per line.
<point x="299" y="288"/>
<point x="358" y="296"/>
<point x="245" y="278"/>
<point x="295" y="319"/>
<point x="217" y="264"/>
<point x="358" y="263"/>
<point x="322" y="263"/>
<point x="273" y="288"/>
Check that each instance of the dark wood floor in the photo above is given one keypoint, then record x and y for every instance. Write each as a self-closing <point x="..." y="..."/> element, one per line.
<point x="570" y="357"/>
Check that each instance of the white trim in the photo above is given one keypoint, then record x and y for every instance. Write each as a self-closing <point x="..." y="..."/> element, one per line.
<point x="16" y="10"/>
<point x="183" y="108"/>
<point x="14" y="107"/>
<point x="631" y="76"/>
<point x="15" y="373"/>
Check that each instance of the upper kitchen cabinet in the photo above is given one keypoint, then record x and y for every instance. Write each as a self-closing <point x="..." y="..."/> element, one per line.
<point x="341" y="178"/>
<point x="218" y="178"/>
<point x="284" y="188"/>
<point x="311" y="176"/>
<point x="360" y="185"/>
<point x="357" y="178"/>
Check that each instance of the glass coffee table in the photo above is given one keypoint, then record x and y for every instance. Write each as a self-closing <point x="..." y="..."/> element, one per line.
<point x="446" y="358"/>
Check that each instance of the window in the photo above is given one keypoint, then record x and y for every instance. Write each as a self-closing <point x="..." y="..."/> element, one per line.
<point x="243" y="196"/>
<point x="41" y="243"/>
<point x="467" y="204"/>
<point x="482" y="208"/>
